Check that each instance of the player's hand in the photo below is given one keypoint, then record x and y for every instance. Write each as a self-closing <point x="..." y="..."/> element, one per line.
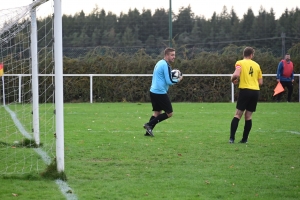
<point x="236" y="81"/>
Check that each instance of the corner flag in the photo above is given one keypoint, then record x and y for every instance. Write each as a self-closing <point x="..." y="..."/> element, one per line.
<point x="1" y="69"/>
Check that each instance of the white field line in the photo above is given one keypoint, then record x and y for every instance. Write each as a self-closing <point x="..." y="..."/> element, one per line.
<point x="294" y="132"/>
<point x="18" y="123"/>
<point x="63" y="186"/>
<point x="66" y="190"/>
<point x="177" y="131"/>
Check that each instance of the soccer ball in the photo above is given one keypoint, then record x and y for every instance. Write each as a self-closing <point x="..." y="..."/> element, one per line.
<point x="176" y="73"/>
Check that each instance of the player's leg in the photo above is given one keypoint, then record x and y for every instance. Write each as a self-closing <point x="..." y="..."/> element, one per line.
<point x="164" y="103"/>
<point x="290" y="87"/>
<point x="247" y="126"/>
<point x="155" y="108"/>
<point x="240" y="108"/>
<point x="161" y="102"/>
<point x="279" y="96"/>
<point x="234" y="124"/>
<point x="155" y="114"/>
<point x="281" y="93"/>
<point x="251" y="107"/>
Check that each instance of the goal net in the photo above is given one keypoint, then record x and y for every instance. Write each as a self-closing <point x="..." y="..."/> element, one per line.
<point x="27" y="119"/>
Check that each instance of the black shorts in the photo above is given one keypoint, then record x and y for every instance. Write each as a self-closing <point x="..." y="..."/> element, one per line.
<point x="247" y="100"/>
<point x="161" y="102"/>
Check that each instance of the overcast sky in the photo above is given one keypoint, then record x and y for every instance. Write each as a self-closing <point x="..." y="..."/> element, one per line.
<point x="199" y="7"/>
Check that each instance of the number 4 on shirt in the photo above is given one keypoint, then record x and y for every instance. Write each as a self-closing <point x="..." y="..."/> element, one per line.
<point x="251" y="71"/>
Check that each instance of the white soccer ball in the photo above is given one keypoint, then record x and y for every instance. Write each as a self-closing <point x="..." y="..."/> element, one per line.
<point x="176" y="73"/>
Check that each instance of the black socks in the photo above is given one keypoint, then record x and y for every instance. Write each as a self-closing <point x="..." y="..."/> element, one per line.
<point x="152" y="117"/>
<point x="233" y="127"/>
<point x="157" y="119"/>
<point x="247" y="128"/>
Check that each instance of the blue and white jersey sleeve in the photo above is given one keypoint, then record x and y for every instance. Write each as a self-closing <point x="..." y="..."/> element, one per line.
<point x="162" y="78"/>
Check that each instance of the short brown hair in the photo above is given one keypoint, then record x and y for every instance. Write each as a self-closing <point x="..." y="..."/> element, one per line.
<point x="169" y="50"/>
<point x="248" y="51"/>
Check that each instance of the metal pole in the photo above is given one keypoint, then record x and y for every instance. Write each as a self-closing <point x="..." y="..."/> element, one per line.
<point x="3" y="90"/>
<point x="59" y="94"/>
<point x="170" y="24"/>
<point x="91" y="88"/>
<point x="20" y="89"/>
<point x="283" y="44"/>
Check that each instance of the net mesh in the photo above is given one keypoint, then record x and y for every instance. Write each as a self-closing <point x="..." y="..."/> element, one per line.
<point x="19" y="151"/>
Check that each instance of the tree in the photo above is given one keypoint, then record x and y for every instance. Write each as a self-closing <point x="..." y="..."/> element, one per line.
<point x="81" y="40"/>
<point x="246" y="25"/>
<point x="184" y="38"/>
<point x="150" y="42"/>
<point x="146" y="25"/>
<point x="224" y="25"/>
<point x="96" y="37"/>
<point x="110" y="21"/>
<point x="128" y="37"/>
<point x="235" y="24"/>
<point x="109" y="37"/>
<point x="183" y="21"/>
<point x="131" y="20"/>
<point x="194" y="37"/>
<point x="136" y="28"/>
<point x="213" y="28"/>
<point x="203" y="27"/>
<point x="160" y="23"/>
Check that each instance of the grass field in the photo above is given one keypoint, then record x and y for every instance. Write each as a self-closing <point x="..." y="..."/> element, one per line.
<point x="107" y="155"/>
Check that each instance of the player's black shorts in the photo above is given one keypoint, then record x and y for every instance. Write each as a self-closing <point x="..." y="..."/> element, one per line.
<point x="161" y="102"/>
<point x="247" y="100"/>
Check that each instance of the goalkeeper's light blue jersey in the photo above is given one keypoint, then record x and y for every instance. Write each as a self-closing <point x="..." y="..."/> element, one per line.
<point x="162" y="78"/>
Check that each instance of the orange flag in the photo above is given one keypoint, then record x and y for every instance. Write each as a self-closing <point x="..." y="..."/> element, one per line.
<point x="1" y="69"/>
<point x="278" y="89"/>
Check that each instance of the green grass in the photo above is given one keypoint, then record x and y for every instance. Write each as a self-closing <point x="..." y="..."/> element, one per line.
<point x="107" y="155"/>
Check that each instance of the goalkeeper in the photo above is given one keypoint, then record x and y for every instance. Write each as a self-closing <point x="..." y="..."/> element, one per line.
<point x="161" y="80"/>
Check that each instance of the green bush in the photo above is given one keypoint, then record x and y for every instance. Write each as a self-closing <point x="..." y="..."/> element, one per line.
<point x="189" y="61"/>
<point x="104" y="60"/>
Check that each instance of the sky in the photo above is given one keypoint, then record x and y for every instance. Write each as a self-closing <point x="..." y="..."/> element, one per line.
<point x="199" y="7"/>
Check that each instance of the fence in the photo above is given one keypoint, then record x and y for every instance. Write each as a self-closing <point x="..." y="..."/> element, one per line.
<point x="94" y="75"/>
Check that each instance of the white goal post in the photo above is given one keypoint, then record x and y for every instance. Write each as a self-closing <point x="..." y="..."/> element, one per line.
<point x="24" y="51"/>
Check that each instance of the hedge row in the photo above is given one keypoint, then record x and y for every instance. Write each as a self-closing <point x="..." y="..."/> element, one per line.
<point x="189" y="61"/>
<point x="136" y="88"/>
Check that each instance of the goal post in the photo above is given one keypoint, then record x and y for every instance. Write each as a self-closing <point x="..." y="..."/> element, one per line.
<point x="31" y="97"/>
<point x="35" y="78"/>
<point x="59" y="107"/>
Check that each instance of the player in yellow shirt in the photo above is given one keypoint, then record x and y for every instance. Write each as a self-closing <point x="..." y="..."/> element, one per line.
<point x="249" y="77"/>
